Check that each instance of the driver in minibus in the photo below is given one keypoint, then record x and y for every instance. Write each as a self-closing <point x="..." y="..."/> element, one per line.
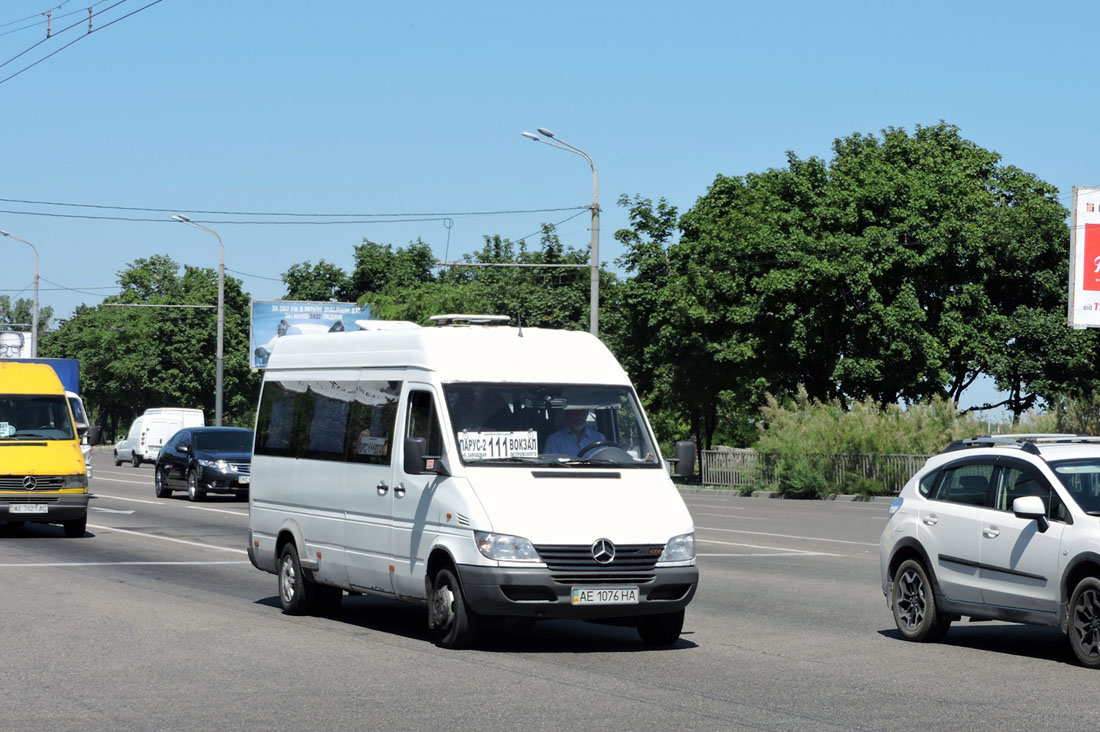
<point x="574" y="436"/>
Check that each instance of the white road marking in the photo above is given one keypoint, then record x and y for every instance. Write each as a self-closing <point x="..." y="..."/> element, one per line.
<point x="785" y="552"/>
<point x="116" y="480"/>
<point x="169" y="538"/>
<point x="786" y="536"/>
<point x="742" y="518"/>
<point x="110" y="510"/>
<point x="131" y="500"/>
<point x="116" y="564"/>
<point x="219" y="510"/>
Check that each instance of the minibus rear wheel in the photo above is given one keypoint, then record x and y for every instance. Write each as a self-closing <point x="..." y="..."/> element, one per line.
<point x="453" y="624"/>
<point x="297" y="594"/>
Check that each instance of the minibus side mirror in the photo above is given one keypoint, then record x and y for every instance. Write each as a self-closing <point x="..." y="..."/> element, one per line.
<point x="417" y="463"/>
<point x="81" y="431"/>
<point x="684" y="462"/>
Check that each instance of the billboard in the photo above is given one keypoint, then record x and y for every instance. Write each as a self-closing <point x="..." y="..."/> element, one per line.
<point x="1084" y="258"/>
<point x="15" y="344"/>
<point x="274" y="319"/>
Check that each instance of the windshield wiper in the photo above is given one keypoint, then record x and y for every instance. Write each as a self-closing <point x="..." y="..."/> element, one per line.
<point x="519" y="460"/>
<point x="31" y="436"/>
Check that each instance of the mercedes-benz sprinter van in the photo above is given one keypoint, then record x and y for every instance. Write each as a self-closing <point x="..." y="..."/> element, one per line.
<point x="481" y="470"/>
<point x="42" y="474"/>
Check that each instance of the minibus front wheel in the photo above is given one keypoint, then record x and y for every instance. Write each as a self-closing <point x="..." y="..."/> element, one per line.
<point x="453" y="624"/>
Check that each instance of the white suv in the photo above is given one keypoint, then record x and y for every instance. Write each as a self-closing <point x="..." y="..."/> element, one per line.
<point x="999" y="528"/>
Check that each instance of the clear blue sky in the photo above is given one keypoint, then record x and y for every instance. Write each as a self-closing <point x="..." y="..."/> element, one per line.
<point x="415" y="108"/>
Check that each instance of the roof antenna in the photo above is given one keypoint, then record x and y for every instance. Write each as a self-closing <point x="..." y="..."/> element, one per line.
<point x="519" y="322"/>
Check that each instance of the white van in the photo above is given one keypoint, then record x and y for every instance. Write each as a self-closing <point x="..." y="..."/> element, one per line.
<point x="481" y="470"/>
<point x="151" y="430"/>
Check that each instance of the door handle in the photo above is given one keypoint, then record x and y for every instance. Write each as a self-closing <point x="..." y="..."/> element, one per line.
<point x="382" y="487"/>
<point x="991" y="532"/>
<point x="399" y="490"/>
<point x="931" y="520"/>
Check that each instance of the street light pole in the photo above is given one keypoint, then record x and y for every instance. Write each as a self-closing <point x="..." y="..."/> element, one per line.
<point x="221" y="316"/>
<point x="594" y="288"/>
<point x="34" y="313"/>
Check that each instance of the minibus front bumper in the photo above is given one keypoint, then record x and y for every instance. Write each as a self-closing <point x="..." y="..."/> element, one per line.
<point x="544" y="593"/>
<point x="40" y="508"/>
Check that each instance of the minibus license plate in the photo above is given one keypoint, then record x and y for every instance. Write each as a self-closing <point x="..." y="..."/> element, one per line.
<point x="605" y="595"/>
<point x="29" y="508"/>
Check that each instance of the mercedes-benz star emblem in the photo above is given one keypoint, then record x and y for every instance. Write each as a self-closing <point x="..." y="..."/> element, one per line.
<point x="29" y="483"/>
<point x="603" y="551"/>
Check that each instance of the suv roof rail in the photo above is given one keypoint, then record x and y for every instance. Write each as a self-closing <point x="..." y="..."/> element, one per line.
<point x="460" y="319"/>
<point x="1025" y="441"/>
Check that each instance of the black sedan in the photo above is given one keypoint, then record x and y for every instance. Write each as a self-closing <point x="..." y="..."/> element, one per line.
<point x="205" y="460"/>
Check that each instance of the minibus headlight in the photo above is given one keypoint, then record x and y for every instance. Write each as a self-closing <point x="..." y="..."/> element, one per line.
<point x="75" y="481"/>
<point x="679" y="549"/>
<point x="504" y="548"/>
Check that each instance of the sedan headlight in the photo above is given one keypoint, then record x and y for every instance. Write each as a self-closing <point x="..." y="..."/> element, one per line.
<point x="221" y="465"/>
<point x="504" y="548"/>
<point x="679" y="549"/>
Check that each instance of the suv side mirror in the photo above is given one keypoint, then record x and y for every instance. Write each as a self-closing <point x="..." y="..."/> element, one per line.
<point x="1031" y="507"/>
<point x="417" y="463"/>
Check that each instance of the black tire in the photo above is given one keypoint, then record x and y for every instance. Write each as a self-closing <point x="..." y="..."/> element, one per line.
<point x="915" y="612"/>
<point x="75" y="528"/>
<point x="1084" y="622"/>
<point x="135" y="459"/>
<point x="160" y="485"/>
<point x="297" y="594"/>
<point x="661" y="630"/>
<point x="194" y="493"/>
<point x="453" y="624"/>
<point x="118" y="460"/>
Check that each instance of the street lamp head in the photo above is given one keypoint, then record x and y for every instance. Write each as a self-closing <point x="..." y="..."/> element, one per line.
<point x="545" y="132"/>
<point x="4" y="233"/>
<point x="530" y="136"/>
<point x="181" y="218"/>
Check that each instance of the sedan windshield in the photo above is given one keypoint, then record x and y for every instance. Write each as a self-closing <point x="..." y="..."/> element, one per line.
<point x="557" y="425"/>
<point x="1082" y="481"/>
<point x="224" y="441"/>
<point x="35" y="417"/>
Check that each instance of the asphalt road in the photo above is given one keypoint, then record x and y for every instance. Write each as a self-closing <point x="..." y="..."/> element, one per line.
<point x="156" y="620"/>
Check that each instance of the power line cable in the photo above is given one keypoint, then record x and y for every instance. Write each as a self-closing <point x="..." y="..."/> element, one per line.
<point x="79" y="38"/>
<point x="51" y="36"/>
<point x="37" y="24"/>
<point x="36" y="15"/>
<point x="177" y="209"/>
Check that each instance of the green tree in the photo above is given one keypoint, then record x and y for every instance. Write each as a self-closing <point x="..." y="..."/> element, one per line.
<point x="898" y="270"/>
<point x="132" y="358"/>
<point x="19" y="314"/>
<point x="320" y="282"/>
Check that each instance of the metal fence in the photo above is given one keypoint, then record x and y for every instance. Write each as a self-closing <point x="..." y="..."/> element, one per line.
<point x="744" y="469"/>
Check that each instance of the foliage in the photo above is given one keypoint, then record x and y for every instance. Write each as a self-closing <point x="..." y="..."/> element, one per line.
<point x="322" y="282"/>
<point x="899" y="270"/>
<point x="15" y="313"/>
<point x="132" y="358"/>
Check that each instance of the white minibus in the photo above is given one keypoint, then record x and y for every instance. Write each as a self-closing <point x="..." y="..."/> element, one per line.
<point x="481" y="470"/>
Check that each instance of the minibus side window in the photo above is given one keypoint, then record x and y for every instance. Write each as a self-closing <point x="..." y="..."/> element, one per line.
<point x="421" y="421"/>
<point x="329" y="419"/>
<point x="275" y="423"/>
<point x="371" y="422"/>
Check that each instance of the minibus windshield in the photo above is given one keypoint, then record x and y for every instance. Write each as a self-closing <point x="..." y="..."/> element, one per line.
<point x="35" y="417"/>
<point x="560" y="425"/>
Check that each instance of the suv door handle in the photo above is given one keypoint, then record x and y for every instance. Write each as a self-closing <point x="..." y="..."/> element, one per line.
<point x="931" y="520"/>
<point x="382" y="487"/>
<point x="399" y="490"/>
<point x="991" y="532"/>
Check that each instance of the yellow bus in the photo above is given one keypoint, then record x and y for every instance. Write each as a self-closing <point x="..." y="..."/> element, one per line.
<point x="42" y="472"/>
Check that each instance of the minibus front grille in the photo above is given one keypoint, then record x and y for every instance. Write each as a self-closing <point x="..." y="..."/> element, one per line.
<point x="579" y="558"/>
<point x="28" y="499"/>
<point x="603" y="578"/>
<point x="41" y="483"/>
